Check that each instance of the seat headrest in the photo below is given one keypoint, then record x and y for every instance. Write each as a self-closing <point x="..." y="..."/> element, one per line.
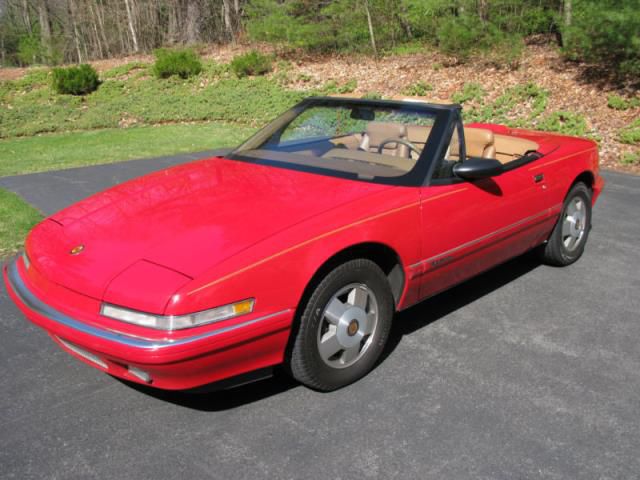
<point x="479" y="142"/>
<point x="418" y="133"/>
<point x="479" y="135"/>
<point x="378" y="132"/>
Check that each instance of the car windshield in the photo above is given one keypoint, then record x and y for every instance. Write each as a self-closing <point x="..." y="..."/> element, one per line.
<point x="373" y="141"/>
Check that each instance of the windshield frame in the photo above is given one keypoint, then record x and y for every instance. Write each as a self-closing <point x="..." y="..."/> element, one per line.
<point x="417" y="176"/>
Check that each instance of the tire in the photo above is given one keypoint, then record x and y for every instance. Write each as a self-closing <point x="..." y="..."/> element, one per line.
<point x="343" y="327"/>
<point x="569" y="236"/>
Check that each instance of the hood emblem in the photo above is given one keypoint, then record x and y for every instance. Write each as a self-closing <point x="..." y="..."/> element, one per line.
<point x="76" y="250"/>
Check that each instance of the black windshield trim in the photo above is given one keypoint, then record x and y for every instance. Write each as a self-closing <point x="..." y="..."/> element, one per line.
<point x="416" y="177"/>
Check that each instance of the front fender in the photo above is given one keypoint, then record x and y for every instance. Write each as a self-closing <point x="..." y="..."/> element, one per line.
<point x="277" y="270"/>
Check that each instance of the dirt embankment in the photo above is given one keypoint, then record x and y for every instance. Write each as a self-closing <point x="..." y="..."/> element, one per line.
<point x="571" y="87"/>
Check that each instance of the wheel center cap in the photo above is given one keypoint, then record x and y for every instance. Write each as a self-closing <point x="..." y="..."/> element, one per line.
<point x="349" y="327"/>
<point x="353" y="327"/>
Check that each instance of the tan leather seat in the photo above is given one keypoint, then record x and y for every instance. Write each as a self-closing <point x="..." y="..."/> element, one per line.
<point x="479" y="142"/>
<point x="418" y="134"/>
<point x="510" y="148"/>
<point x="378" y="132"/>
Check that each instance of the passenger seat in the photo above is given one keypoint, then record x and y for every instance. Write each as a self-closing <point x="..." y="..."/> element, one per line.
<point x="479" y="143"/>
<point x="378" y="132"/>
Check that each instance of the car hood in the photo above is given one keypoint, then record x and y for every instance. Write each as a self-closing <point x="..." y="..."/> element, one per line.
<point x="185" y="219"/>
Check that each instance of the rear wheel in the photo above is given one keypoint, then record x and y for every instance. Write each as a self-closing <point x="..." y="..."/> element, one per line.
<point x="344" y="326"/>
<point x="569" y="237"/>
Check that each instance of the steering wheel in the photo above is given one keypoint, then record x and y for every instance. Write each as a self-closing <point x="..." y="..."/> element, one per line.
<point x="406" y="143"/>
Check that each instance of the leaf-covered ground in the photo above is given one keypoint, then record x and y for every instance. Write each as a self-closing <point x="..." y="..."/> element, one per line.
<point x="573" y="102"/>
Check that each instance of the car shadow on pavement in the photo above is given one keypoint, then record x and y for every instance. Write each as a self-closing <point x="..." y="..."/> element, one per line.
<point x="442" y="304"/>
<point x="405" y="323"/>
<point x="220" y="400"/>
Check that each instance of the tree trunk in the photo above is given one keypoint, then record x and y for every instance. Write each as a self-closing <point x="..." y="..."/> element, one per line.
<point x="26" y="17"/>
<point x="192" y="26"/>
<point x="567" y="13"/>
<point x="370" y="23"/>
<point x="132" y="29"/>
<point x="226" y="13"/>
<point x="404" y="23"/>
<point x="236" y="11"/>
<point x="76" y="32"/>
<point x="123" y="45"/>
<point x="483" y="10"/>
<point x="173" y="22"/>
<point x="103" y="35"/>
<point x="45" y="28"/>
<point x="96" y="36"/>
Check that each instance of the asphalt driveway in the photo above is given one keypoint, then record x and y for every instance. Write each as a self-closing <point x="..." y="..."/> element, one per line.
<point x="525" y="372"/>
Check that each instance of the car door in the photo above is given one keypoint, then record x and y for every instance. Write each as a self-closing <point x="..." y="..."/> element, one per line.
<point x="470" y="226"/>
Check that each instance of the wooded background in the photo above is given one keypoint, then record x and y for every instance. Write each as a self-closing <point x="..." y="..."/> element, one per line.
<point x="62" y="31"/>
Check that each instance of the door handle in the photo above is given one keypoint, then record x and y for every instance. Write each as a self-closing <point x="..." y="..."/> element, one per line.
<point x="538" y="178"/>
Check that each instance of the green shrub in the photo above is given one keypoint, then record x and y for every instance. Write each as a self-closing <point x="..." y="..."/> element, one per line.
<point x="620" y="103"/>
<point x="631" y="133"/>
<point x="251" y="63"/>
<point x="631" y="159"/>
<point x="567" y="123"/>
<point x="537" y="97"/>
<point x="459" y="36"/>
<point x="78" y="80"/>
<point x="184" y="63"/>
<point x="470" y="91"/>
<point x="518" y="106"/>
<point x="30" y="50"/>
<point x="348" y="87"/>
<point x="505" y="50"/>
<point x="418" y="89"/>
<point x="332" y="87"/>
<point x="606" y="32"/>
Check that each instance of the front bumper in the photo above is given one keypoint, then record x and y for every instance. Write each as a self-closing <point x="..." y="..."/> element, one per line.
<point x="218" y="353"/>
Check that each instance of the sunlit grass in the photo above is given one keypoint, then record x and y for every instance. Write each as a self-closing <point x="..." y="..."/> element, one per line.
<point x="58" y="151"/>
<point x="17" y="217"/>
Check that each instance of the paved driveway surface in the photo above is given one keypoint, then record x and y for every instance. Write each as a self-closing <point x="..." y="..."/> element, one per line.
<point x="525" y="372"/>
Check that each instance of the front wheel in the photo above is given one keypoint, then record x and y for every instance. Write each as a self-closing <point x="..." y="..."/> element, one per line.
<point x="344" y="326"/>
<point x="569" y="237"/>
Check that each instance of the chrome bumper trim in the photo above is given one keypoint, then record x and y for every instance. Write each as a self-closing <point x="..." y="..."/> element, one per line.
<point x="38" y="306"/>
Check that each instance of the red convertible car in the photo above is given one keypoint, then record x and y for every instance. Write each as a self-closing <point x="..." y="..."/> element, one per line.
<point x="298" y="247"/>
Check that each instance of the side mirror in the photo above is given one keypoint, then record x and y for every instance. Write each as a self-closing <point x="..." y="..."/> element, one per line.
<point x="477" y="168"/>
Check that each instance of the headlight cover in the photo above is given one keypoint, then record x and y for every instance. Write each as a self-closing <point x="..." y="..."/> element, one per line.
<point x="178" y="322"/>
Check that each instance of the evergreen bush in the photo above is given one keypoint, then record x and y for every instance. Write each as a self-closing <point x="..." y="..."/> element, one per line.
<point x="78" y="80"/>
<point x="251" y="63"/>
<point x="183" y="63"/>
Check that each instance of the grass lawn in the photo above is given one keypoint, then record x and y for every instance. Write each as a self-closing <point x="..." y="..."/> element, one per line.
<point x="16" y="219"/>
<point x="57" y="151"/>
